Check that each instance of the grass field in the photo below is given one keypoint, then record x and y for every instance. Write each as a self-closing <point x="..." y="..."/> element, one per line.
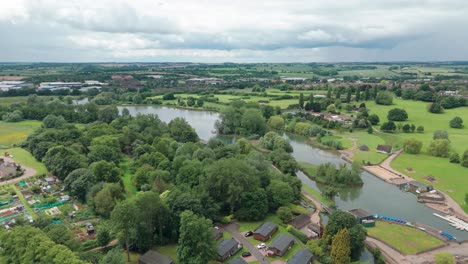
<point x="130" y="189"/>
<point x="13" y="100"/>
<point x="406" y="239"/>
<point x="15" y="133"/>
<point x="24" y="158"/>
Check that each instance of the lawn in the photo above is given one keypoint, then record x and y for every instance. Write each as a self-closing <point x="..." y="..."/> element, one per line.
<point x="130" y="189"/>
<point x="24" y="158"/>
<point x="406" y="239"/>
<point x="12" y="134"/>
<point x="24" y="202"/>
<point x="450" y="178"/>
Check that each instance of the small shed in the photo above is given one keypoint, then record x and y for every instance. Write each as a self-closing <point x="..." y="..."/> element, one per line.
<point x="315" y="229"/>
<point x="361" y="215"/>
<point x="418" y="187"/>
<point x="363" y="148"/>
<point x="281" y="245"/>
<point x="238" y="260"/>
<point x="64" y="198"/>
<point x="50" y="180"/>
<point x="227" y="248"/>
<point x="385" y="149"/>
<point x="300" y="221"/>
<point x="265" y="231"/>
<point x="302" y="256"/>
<point x="153" y="257"/>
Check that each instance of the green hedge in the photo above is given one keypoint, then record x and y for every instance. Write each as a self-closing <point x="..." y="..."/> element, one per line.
<point x="298" y="234"/>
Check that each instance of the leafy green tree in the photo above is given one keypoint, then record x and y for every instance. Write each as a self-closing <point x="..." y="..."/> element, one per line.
<point x="340" y="250"/>
<point x="348" y="95"/>
<point x="104" y="153"/>
<point x="384" y="98"/>
<point x="284" y="213"/>
<point x="254" y="206"/>
<point x="388" y="126"/>
<point x="358" y="94"/>
<point x="273" y="141"/>
<point x="440" y="134"/>
<point x="397" y="114"/>
<point x="464" y="160"/>
<point x="374" y="119"/>
<point x="279" y="194"/>
<point x="62" y="160"/>
<point x="331" y="108"/>
<point x="276" y="122"/>
<point x="244" y="146"/>
<point x="108" y="113"/>
<point x="435" y="108"/>
<point x="103" y="237"/>
<point x="301" y="100"/>
<point x="439" y="148"/>
<point x="181" y="131"/>
<point x="114" y="256"/>
<point x="105" y="171"/>
<point x="454" y="158"/>
<point x="406" y="128"/>
<point x="456" y="122"/>
<point x="60" y="234"/>
<point x="253" y="122"/>
<point x="53" y="121"/>
<point x="104" y="202"/>
<point x="420" y="129"/>
<point x="195" y="245"/>
<point x="123" y="218"/>
<point x="444" y="258"/>
<point x="412" y="146"/>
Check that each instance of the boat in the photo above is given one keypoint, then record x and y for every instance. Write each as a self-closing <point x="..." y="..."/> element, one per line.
<point x="454" y="222"/>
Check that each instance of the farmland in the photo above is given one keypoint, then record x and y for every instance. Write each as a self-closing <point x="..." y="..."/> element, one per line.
<point x="12" y="134"/>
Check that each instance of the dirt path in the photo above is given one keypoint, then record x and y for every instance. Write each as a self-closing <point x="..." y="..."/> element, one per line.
<point x="28" y="172"/>
<point x="233" y="229"/>
<point x="454" y="206"/>
<point x="112" y="243"/>
<point x="315" y="217"/>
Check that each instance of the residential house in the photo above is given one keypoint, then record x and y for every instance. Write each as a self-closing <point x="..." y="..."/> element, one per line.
<point x="302" y="256"/>
<point x="8" y="169"/>
<point x="265" y="231"/>
<point x="385" y="149"/>
<point x="227" y="248"/>
<point x="300" y="221"/>
<point x="363" y="148"/>
<point x="281" y="245"/>
<point x="315" y="231"/>
<point x="153" y="257"/>
<point x="238" y="260"/>
<point x="361" y="215"/>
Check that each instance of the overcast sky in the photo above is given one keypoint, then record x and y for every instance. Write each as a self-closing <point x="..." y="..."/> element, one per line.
<point x="233" y="30"/>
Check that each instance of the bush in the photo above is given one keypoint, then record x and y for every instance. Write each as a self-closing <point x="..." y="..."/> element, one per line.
<point x="384" y="98"/>
<point x="420" y="129"/>
<point x="298" y="234"/>
<point x="388" y="126"/>
<point x="284" y="213"/>
<point x="226" y="220"/>
<point x="440" y="134"/>
<point x="435" y="108"/>
<point x="14" y="116"/>
<point x="374" y="119"/>
<point x="439" y="148"/>
<point x="464" y="161"/>
<point x="397" y="114"/>
<point x="456" y="122"/>
<point x="455" y="158"/>
<point x="412" y="146"/>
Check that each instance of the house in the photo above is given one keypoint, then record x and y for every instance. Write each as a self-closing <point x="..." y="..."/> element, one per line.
<point x="153" y="257"/>
<point x="303" y="256"/>
<point x="238" y="260"/>
<point x="50" y="180"/>
<point x="315" y="230"/>
<point x="300" y="221"/>
<point x="8" y="169"/>
<point x="363" y="148"/>
<point x="361" y="215"/>
<point x="418" y="187"/>
<point x="385" y="149"/>
<point x="281" y="245"/>
<point x="227" y="248"/>
<point x="265" y="231"/>
<point x="217" y="233"/>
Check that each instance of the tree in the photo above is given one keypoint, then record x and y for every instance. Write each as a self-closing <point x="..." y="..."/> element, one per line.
<point x="435" y="108"/>
<point x="301" y="100"/>
<point x="253" y="122"/>
<point x="439" y="148"/>
<point x="53" y="121"/>
<point x="397" y="114"/>
<point x="103" y="237"/>
<point x="254" y="206"/>
<point x="420" y="129"/>
<point x="440" y="134"/>
<point x="374" y="119"/>
<point x="456" y="122"/>
<point x="279" y="194"/>
<point x="464" y="161"/>
<point x="340" y="251"/>
<point x="358" y="94"/>
<point x="104" y="202"/>
<point x="105" y="171"/>
<point x="388" y="126"/>
<point x="60" y="234"/>
<point x="123" y="218"/>
<point x="412" y="146"/>
<point x="454" y="158"/>
<point x="348" y="95"/>
<point x="114" y="256"/>
<point x="406" y="128"/>
<point x="384" y="98"/>
<point x="62" y="160"/>
<point x="195" y="244"/>
<point x="181" y="131"/>
<point x="284" y="213"/>
<point x="244" y="146"/>
<point x="276" y="122"/>
<point x="104" y="153"/>
<point x="329" y="93"/>
<point x="331" y="108"/>
<point x="108" y="114"/>
<point x="444" y="258"/>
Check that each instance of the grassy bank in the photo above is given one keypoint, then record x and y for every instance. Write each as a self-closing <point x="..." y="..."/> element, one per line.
<point x="405" y="239"/>
<point x="24" y="158"/>
<point x="12" y="134"/>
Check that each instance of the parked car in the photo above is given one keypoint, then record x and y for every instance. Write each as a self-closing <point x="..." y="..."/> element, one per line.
<point x="248" y="233"/>
<point x="246" y="254"/>
<point x="262" y="245"/>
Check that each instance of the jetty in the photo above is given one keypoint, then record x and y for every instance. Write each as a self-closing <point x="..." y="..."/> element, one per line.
<point x="454" y="221"/>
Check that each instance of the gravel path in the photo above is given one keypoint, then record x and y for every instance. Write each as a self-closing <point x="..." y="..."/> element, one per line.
<point x="233" y="229"/>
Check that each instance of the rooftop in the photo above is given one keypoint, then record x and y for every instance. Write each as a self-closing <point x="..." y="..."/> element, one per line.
<point x="418" y="184"/>
<point x="385" y="148"/>
<point x="266" y="228"/>
<point x="153" y="257"/>
<point x="300" y="221"/>
<point x="282" y="242"/>
<point x="303" y="256"/>
<point x="226" y="245"/>
<point x="238" y="260"/>
<point x="360" y="213"/>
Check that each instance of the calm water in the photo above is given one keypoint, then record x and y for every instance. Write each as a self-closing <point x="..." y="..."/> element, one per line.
<point x="375" y="196"/>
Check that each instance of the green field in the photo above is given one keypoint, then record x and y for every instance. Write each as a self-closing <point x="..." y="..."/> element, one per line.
<point x="130" y="189"/>
<point x="15" y="133"/>
<point x="405" y="239"/>
<point x="24" y="158"/>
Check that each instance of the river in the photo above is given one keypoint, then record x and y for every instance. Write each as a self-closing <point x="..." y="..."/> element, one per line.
<point x="375" y="196"/>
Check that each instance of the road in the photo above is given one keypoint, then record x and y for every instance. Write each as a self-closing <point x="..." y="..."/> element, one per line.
<point x="233" y="229"/>
<point x="28" y="172"/>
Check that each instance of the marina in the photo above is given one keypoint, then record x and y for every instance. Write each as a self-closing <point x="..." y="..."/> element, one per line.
<point x="454" y="221"/>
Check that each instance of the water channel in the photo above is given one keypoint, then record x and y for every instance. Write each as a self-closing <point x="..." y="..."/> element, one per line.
<point x="375" y="196"/>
